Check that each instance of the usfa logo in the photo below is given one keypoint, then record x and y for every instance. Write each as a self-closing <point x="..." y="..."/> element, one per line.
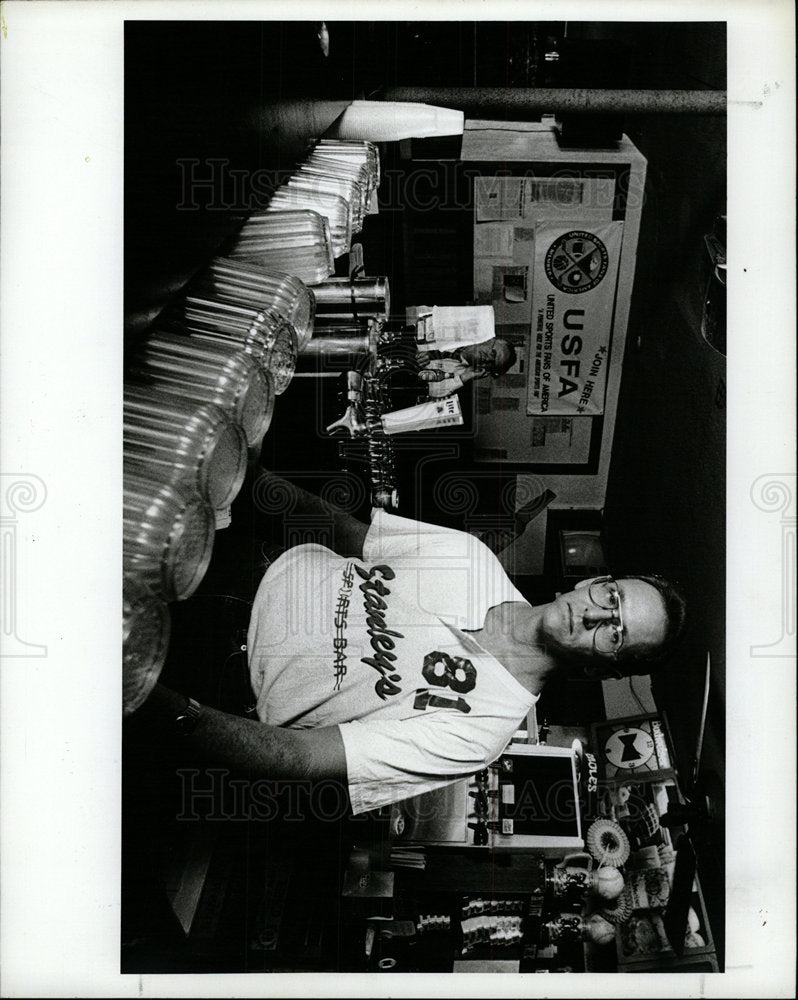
<point x="576" y="262"/>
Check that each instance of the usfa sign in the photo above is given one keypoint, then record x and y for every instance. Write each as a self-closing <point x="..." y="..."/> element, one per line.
<point x="573" y="303"/>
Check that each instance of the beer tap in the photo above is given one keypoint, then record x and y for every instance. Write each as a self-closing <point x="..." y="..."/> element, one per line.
<point x="353" y="421"/>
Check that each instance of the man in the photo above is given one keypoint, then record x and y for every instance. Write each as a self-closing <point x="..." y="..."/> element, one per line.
<point x="447" y="371"/>
<point x="401" y="657"/>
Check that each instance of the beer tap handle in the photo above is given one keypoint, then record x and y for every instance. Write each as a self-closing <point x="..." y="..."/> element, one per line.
<point x="351" y="423"/>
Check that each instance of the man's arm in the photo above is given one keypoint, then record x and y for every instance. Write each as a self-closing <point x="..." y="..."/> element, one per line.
<point x="262" y="750"/>
<point x="348" y="532"/>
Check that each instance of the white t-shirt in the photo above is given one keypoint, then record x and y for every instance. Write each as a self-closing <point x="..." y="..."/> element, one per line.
<point x="375" y="646"/>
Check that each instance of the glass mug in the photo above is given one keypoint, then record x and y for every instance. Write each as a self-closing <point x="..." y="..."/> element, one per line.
<point x="297" y="242"/>
<point x="360" y="150"/>
<point x="266" y="337"/>
<point x="332" y="206"/>
<point x="146" y="626"/>
<point x="248" y="284"/>
<point x="167" y="535"/>
<point x="354" y="175"/>
<point x="192" y="445"/>
<point x="218" y="372"/>
<point x="315" y="179"/>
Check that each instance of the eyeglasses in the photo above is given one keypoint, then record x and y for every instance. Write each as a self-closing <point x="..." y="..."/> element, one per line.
<point x="607" y="635"/>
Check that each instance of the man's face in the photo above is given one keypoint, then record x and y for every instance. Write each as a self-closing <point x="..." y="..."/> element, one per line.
<point x="570" y="622"/>
<point x="489" y="357"/>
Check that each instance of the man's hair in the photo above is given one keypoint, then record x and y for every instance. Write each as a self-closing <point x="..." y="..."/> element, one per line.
<point x="511" y="357"/>
<point x="676" y="616"/>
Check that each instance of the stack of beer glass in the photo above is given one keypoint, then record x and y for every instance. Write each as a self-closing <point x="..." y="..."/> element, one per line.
<point x="167" y="542"/>
<point x="295" y="242"/>
<point x="352" y="151"/>
<point x="337" y="180"/>
<point x="261" y="334"/>
<point x="246" y="283"/>
<point x="191" y="408"/>
<point x="207" y="370"/>
<point x="201" y="389"/>
<point x="146" y="625"/>
<point x="335" y="176"/>
<point x="194" y="446"/>
<point x="319" y="197"/>
<point x="358" y="162"/>
<point x="167" y="535"/>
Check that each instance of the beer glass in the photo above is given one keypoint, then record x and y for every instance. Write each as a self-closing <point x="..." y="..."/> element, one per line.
<point x="297" y="242"/>
<point x="191" y="445"/>
<point x="354" y="179"/>
<point x="167" y="535"/>
<point x="145" y="642"/>
<point x="314" y="179"/>
<point x="355" y="169"/>
<point x="358" y="149"/>
<point x="268" y="338"/>
<point x="332" y="206"/>
<point x="248" y="284"/>
<point x="209" y="372"/>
